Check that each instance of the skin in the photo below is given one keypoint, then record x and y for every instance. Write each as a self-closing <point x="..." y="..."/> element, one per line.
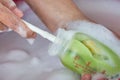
<point x="60" y="12"/>
<point x="86" y="77"/>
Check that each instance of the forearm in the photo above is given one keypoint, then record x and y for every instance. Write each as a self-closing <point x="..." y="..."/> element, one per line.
<point x="55" y="13"/>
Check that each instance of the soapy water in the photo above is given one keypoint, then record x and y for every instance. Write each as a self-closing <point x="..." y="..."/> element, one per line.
<point x="19" y="65"/>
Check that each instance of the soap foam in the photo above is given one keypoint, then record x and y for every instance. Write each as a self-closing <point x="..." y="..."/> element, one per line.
<point x="17" y="64"/>
<point x="15" y="55"/>
<point x="63" y="74"/>
<point x="30" y="40"/>
<point x="22" y="31"/>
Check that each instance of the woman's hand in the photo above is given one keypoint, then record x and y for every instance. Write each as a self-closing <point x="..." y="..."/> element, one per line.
<point x="10" y="17"/>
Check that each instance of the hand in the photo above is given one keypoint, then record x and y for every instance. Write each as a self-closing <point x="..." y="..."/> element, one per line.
<point x="10" y="17"/>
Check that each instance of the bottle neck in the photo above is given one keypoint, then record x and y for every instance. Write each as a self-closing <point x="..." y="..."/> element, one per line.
<point x="62" y="40"/>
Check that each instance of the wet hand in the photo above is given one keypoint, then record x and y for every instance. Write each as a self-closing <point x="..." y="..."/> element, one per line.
<point x="10" y="17"/>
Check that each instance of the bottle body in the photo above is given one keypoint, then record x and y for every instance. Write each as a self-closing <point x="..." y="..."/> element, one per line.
<point x="87" y="55"/>
<point x="83" y="54"/>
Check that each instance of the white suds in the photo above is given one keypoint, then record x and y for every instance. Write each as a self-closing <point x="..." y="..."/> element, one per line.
<point x="63" y="74"/>
<point x="98" y="76"/>
<point x="35" y="61"/>
<point x="30" y="41"/>
<point x="22" y="32"/>
<point x="17" y="55"/>
<point x="1" y="31"/>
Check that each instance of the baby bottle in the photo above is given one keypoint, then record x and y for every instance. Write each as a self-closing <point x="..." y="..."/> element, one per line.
<point x="83" y="54"/>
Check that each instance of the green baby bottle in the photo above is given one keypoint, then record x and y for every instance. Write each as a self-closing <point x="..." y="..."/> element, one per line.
<point x="83" y="54"/>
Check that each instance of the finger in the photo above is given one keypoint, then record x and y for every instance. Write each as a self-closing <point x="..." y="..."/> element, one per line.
<point x="12" y="6"/>
<point x="86" y="77"/>
<point x="3" y="27"/>
<point x="18" y="12"/>
<point x="14" y="22"/>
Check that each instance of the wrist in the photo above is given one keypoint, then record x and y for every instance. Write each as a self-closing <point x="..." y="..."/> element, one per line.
<point x="56" y="13"/>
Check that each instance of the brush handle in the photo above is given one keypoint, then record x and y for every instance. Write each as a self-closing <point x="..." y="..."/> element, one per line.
<point x="41" y="32"/>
